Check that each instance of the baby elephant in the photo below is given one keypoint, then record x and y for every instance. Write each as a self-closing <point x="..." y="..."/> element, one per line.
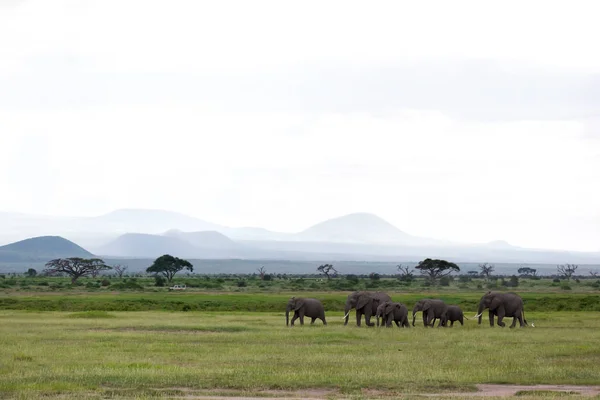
<point x="312" y="308"/>
<point x="396" y="312"/>
<point x="454" y="313"/>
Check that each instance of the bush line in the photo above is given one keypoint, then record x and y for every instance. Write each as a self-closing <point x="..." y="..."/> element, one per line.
<point x="269" y="302"/>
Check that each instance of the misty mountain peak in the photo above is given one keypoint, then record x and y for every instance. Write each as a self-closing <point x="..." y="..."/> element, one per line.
<point x="359" y="227"/>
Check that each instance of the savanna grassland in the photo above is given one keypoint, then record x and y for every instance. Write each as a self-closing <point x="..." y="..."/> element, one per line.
<point x="78" y="343"/>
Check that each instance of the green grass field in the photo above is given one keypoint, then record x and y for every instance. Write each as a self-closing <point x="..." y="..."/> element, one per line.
<point x="112" y="354"/>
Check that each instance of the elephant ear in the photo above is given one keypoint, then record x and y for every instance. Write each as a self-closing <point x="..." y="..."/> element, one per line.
<point x="362" y="301"/>
<point x="299" y="304"/>
<point x="426" y="306"/>
<point x="496" y="302"/>
<point x="389" y="307"/>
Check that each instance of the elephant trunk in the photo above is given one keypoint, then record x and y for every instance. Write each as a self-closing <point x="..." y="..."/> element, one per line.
<point x="287" y="316"/>
<point x="479" y="312"/>
<point x="346" y="313"/>
<point x="414" y="314"/>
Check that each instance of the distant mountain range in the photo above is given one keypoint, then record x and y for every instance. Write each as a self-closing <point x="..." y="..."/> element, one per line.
<point x="42" y="248"/>
<point x="139" y="233"/>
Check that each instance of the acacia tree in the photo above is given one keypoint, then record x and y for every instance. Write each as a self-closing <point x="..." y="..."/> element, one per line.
<point x="486" y="270"/>
<point x="327" y="269"/>
<point x="76" y="267"/>
<point x="566" y="270"/>
<point x="31" y="272"/>
<point x="168" y="266"/>
<point x="120" y="269"/>
<point x="435" y="269"/>
<point x="527" y="272"/>
<point x="262" y="272"/>
<point x="406" y="273"/>
<point x="593" y="273"/>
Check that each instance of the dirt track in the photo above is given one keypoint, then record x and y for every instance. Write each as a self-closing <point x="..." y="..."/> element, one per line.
<point x="484" y="390"/>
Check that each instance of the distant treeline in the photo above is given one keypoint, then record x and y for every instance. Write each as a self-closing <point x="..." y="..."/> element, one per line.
<point x="305" y="268"/>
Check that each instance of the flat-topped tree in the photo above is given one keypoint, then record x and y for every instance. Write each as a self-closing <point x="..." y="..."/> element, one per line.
<point x="168" y="266"/>
<point x="435" y="269"/>
<point x="76" y="267"/>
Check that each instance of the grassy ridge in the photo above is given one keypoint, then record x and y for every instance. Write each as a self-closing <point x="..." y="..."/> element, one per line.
<point x="142" y="354"/>
<point x="271" y="302"/>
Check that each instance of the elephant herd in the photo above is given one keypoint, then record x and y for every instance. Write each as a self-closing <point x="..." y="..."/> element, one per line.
<point x="380" y="305"/>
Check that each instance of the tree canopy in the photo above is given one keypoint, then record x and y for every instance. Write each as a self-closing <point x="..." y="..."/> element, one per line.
<point x="527" y="272"/>
<point x="567" y="270"/>
<point x="327" y="269"/>
<point x="168" y="266"/>
<point x="486" y="270"/>
<point x="76" y="267"/>
<point x="434" y="268"/>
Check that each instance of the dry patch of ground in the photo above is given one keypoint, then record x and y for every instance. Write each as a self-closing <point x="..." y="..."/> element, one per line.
<point x="483" y="390"/>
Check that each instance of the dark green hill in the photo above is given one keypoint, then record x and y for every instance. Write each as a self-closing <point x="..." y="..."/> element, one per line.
<point x="42" y="248"/>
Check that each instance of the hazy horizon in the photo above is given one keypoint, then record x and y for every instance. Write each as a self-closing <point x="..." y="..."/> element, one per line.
<point x="466" y="122"/>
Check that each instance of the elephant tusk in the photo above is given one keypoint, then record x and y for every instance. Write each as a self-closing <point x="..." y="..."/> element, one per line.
<point x="532" y="325"/>
<point x="344" y="317"/>
<point x="478" y="315"/>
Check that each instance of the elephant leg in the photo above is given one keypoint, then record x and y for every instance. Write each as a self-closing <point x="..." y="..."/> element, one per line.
<point x="368" y="317"/>
<point x="358" y="317"/>
<point x="452" y="324"/>
<point x="461" y="321"/>
<point x="295" y="317"/>
<point x="491" y="314"/>
<point x="397" y="324"/>
<point x="501" y="317"/>
<point x="521" y="322"/>
<point x="323" y="319"/>
<point x="312" y="320"/>
<point x="301" y="313"/>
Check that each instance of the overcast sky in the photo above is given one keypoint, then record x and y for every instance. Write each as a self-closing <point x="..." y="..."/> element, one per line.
<point x="470" y="121"/>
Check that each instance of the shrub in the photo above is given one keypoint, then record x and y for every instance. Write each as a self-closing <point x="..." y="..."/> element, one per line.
<point x="159" y="281"/>
<point x="492" y="285"/>
<point x="105" y="282"/>
<point x="479" y="286"/>
<point x="565" y="286"/>
<point x="556" y="280"/>
<point x="241" y="283"/>
<point x="43" y="283"/>
<point x="268" y="277"/>
<point x="445" y="281"/>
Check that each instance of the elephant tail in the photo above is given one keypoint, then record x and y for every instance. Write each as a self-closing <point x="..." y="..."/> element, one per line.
<point x="465" y="317"/>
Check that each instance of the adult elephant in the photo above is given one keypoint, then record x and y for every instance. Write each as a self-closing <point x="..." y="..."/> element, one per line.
<point x="432" y="309"/>
<point x="392" y="312"/>
<point x="502" y="305"/>
<point x="302" y="307"/>
<point x="365" y="303"/>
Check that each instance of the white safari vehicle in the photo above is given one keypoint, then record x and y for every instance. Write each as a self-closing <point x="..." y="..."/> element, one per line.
<point x="177" y="287"/>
